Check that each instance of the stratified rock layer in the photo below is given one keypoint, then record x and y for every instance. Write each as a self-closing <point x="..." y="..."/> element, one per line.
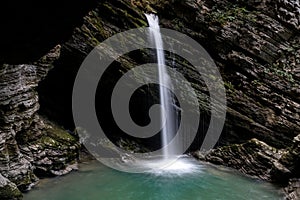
<point x="260" y="160"/>
<point x="9" y="190"/>
<point x="29" y="144"/>
<point x="293" y="189"/>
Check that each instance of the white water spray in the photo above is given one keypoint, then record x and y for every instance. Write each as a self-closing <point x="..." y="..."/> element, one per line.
<point x="166" y="99"/>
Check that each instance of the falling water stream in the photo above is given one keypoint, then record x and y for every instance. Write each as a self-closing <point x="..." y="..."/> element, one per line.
<point x="168" y="117"/>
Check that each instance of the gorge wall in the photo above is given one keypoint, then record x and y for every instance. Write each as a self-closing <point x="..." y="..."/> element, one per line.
<point x="255" y="44"/>
<point x="30" y="144"/>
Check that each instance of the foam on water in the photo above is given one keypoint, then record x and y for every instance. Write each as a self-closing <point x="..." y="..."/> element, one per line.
<point x="175" y="166"/>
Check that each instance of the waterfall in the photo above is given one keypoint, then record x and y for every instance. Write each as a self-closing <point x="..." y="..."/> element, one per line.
<point x="166" y="97"/>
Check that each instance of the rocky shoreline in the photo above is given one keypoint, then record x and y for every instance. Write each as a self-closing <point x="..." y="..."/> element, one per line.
<point x="259" y="160"/>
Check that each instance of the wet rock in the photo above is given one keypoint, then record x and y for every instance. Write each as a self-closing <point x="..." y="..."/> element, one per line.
<point x="28" y="142"/>
<point x="293" y="190"/>
<point x="257" y="159"/>
<point x="256" y="53"/>
<point x="19" y="105"/>
<point x="289" y="161"/>
<point x="54" y="152"/>
<point x="254" y="157"/>
<point x="9" y="190"/>
<point x="131" y="146"/>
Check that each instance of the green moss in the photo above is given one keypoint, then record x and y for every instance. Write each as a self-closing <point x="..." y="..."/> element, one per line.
<point x="110" y="8"/>
<point x="231" y="13"/>
<point x="229" y="86"/>
<point x="90" y="36"/>
<point x="98" y="24"/>
<point x="60" y="135"/>
<point x="10" y="193"/>
<point x="26" y="181"/>
<point x="56" y="138"/>
<point x="147" y="6"/>
<point x="48" y="141"/>
<point x="280" y="72"/>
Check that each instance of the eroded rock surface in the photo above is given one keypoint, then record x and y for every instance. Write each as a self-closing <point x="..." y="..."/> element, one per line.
<point x="9" y="190"/>
<point x="28" y="143"/>
<point x="293" y="190"/>
<point x="253" y="157"/>
<point x="257" y="159"/>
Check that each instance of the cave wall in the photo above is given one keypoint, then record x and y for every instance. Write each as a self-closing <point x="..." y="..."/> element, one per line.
<point x="31" y="146"/>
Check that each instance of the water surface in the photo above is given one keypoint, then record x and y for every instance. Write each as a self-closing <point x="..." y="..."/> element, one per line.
<point x="94" y="181"/>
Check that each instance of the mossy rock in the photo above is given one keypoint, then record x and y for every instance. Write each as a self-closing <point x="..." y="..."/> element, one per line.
<point x="10" y="193"/>
<point x="8" y="190"/>
<point x="53" y="151"/>
<point x="59" y="135"/>
<point x="26" y="182"/>
<point x="56" y="137"/>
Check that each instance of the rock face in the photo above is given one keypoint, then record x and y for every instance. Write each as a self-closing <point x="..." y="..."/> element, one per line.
<point x="257" y="54"/>
<point x="28" y="144"/>
<point x="293" y="189"/>
<point x="260" y="160"/>
<point x="253" y="157"/>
